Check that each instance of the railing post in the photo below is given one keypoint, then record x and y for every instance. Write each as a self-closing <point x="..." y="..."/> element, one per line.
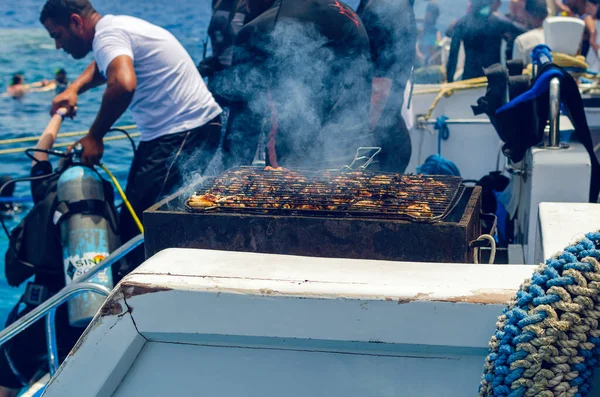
<point x="51" y="342"/>
<point x="552" y="139"/>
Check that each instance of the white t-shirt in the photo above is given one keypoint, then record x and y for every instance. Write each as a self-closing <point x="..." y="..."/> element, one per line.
<point x="526" y="42"/>
<point x="170" y="95"/>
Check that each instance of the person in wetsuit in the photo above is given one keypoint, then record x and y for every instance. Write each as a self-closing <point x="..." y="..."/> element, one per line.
<point x="301" y="77"/>
<point x="25" y="355"/>
<point x="228" y="18"/>
<point x="482" y="32"/>
<point x="392" y="32"/>
<point x="429" y="35"/>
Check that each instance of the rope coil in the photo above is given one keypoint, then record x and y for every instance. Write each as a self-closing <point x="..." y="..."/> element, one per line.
<point x="547" y="341"/>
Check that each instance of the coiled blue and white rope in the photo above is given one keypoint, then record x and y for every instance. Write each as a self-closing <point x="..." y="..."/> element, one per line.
<point x="547" y="342"/>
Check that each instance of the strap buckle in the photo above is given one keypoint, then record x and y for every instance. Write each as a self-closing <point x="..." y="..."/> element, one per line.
<point x="35" y="294"/>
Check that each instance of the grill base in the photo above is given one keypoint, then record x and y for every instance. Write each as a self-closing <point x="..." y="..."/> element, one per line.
<point x="359" y="238"/>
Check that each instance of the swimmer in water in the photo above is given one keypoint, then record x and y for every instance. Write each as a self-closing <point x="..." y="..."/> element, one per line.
<point x="61" y="82"/>
<point x="17" y="87"/>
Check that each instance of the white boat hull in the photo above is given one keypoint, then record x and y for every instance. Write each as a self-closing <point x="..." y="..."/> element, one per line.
<point x="197" y="322"/>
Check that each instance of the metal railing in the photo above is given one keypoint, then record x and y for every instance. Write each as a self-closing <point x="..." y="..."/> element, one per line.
<point x="552" y="140"/>
<point x="422" y="122"/>
<point x="77" y="286"/>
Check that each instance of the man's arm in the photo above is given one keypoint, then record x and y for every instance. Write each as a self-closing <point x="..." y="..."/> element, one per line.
<point x="513" y="29"/>
<point x="48" y="137"/>
<point x="120" y="87"/>
<point x="90" y="78"/>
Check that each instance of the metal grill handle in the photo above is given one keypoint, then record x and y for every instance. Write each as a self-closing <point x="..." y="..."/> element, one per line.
<point x="362" y="157"/>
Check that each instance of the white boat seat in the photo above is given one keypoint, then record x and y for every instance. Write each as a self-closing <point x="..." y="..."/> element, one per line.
<point x="564" y="34"/>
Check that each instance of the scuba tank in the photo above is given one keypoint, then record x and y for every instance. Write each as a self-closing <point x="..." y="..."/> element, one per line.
<point x="85" y="235"/>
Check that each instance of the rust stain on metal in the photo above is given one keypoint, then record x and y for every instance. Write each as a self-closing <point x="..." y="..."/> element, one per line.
<point x="111" y="308"/>
<point x="484" y="298"/>
<point x="418" y="297"/>
<point x="131" y="289"/>
<point x="477" y="297"/>
<point x="421" y="296"/>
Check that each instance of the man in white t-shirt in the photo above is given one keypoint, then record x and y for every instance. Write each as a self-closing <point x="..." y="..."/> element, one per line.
<point x="148" y="71"/>
<point x="537" y="11"/>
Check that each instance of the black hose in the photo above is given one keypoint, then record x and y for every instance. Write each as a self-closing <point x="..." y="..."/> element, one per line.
<point x="128" y="137"/>
<point x="28" y="153"/>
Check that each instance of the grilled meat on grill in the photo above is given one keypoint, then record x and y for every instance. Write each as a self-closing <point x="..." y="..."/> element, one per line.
<point x="282" y="189"/>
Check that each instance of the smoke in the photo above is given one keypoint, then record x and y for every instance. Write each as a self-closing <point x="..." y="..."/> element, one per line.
<point x="393" y="34"/>
<point x="318" y="86"/>
<point x="318" y="83"/>
<point x="392" y="30"/>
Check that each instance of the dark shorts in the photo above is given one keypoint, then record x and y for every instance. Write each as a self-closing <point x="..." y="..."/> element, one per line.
<point x="159" y="168"/>
<point x="24" y="355"/>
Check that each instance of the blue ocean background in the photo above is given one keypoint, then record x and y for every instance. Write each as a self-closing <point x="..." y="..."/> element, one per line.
<point x="26" y="47"/>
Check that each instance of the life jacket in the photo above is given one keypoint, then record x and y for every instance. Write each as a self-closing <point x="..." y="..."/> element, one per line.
<point x="520" y="122"/>
<point x="35" y="247"/>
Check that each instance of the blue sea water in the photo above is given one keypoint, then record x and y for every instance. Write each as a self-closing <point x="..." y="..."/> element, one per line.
<point x="25" y="47"/>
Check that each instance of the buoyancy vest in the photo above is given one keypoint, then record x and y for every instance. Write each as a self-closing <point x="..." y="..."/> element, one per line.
<point x="35" y="248"/>
<point x="520" y="122"/>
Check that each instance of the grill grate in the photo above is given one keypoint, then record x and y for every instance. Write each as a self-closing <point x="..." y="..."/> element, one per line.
<point x="329" y="193"/>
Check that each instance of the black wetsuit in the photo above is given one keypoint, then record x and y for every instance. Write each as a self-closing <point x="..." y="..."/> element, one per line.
<point x="228" y="17"/>
<point x="482" y="38"/>
<point x="301" y="74"/>
<point x="392" y="31"/>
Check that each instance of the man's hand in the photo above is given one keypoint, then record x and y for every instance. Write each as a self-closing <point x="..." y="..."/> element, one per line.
<point x="93" y="149"/>
<point x="67" y="99"/>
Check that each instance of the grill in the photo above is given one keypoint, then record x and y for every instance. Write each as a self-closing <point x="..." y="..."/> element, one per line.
<point x="361" y="215"/>
<point x="330" y="193"/>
